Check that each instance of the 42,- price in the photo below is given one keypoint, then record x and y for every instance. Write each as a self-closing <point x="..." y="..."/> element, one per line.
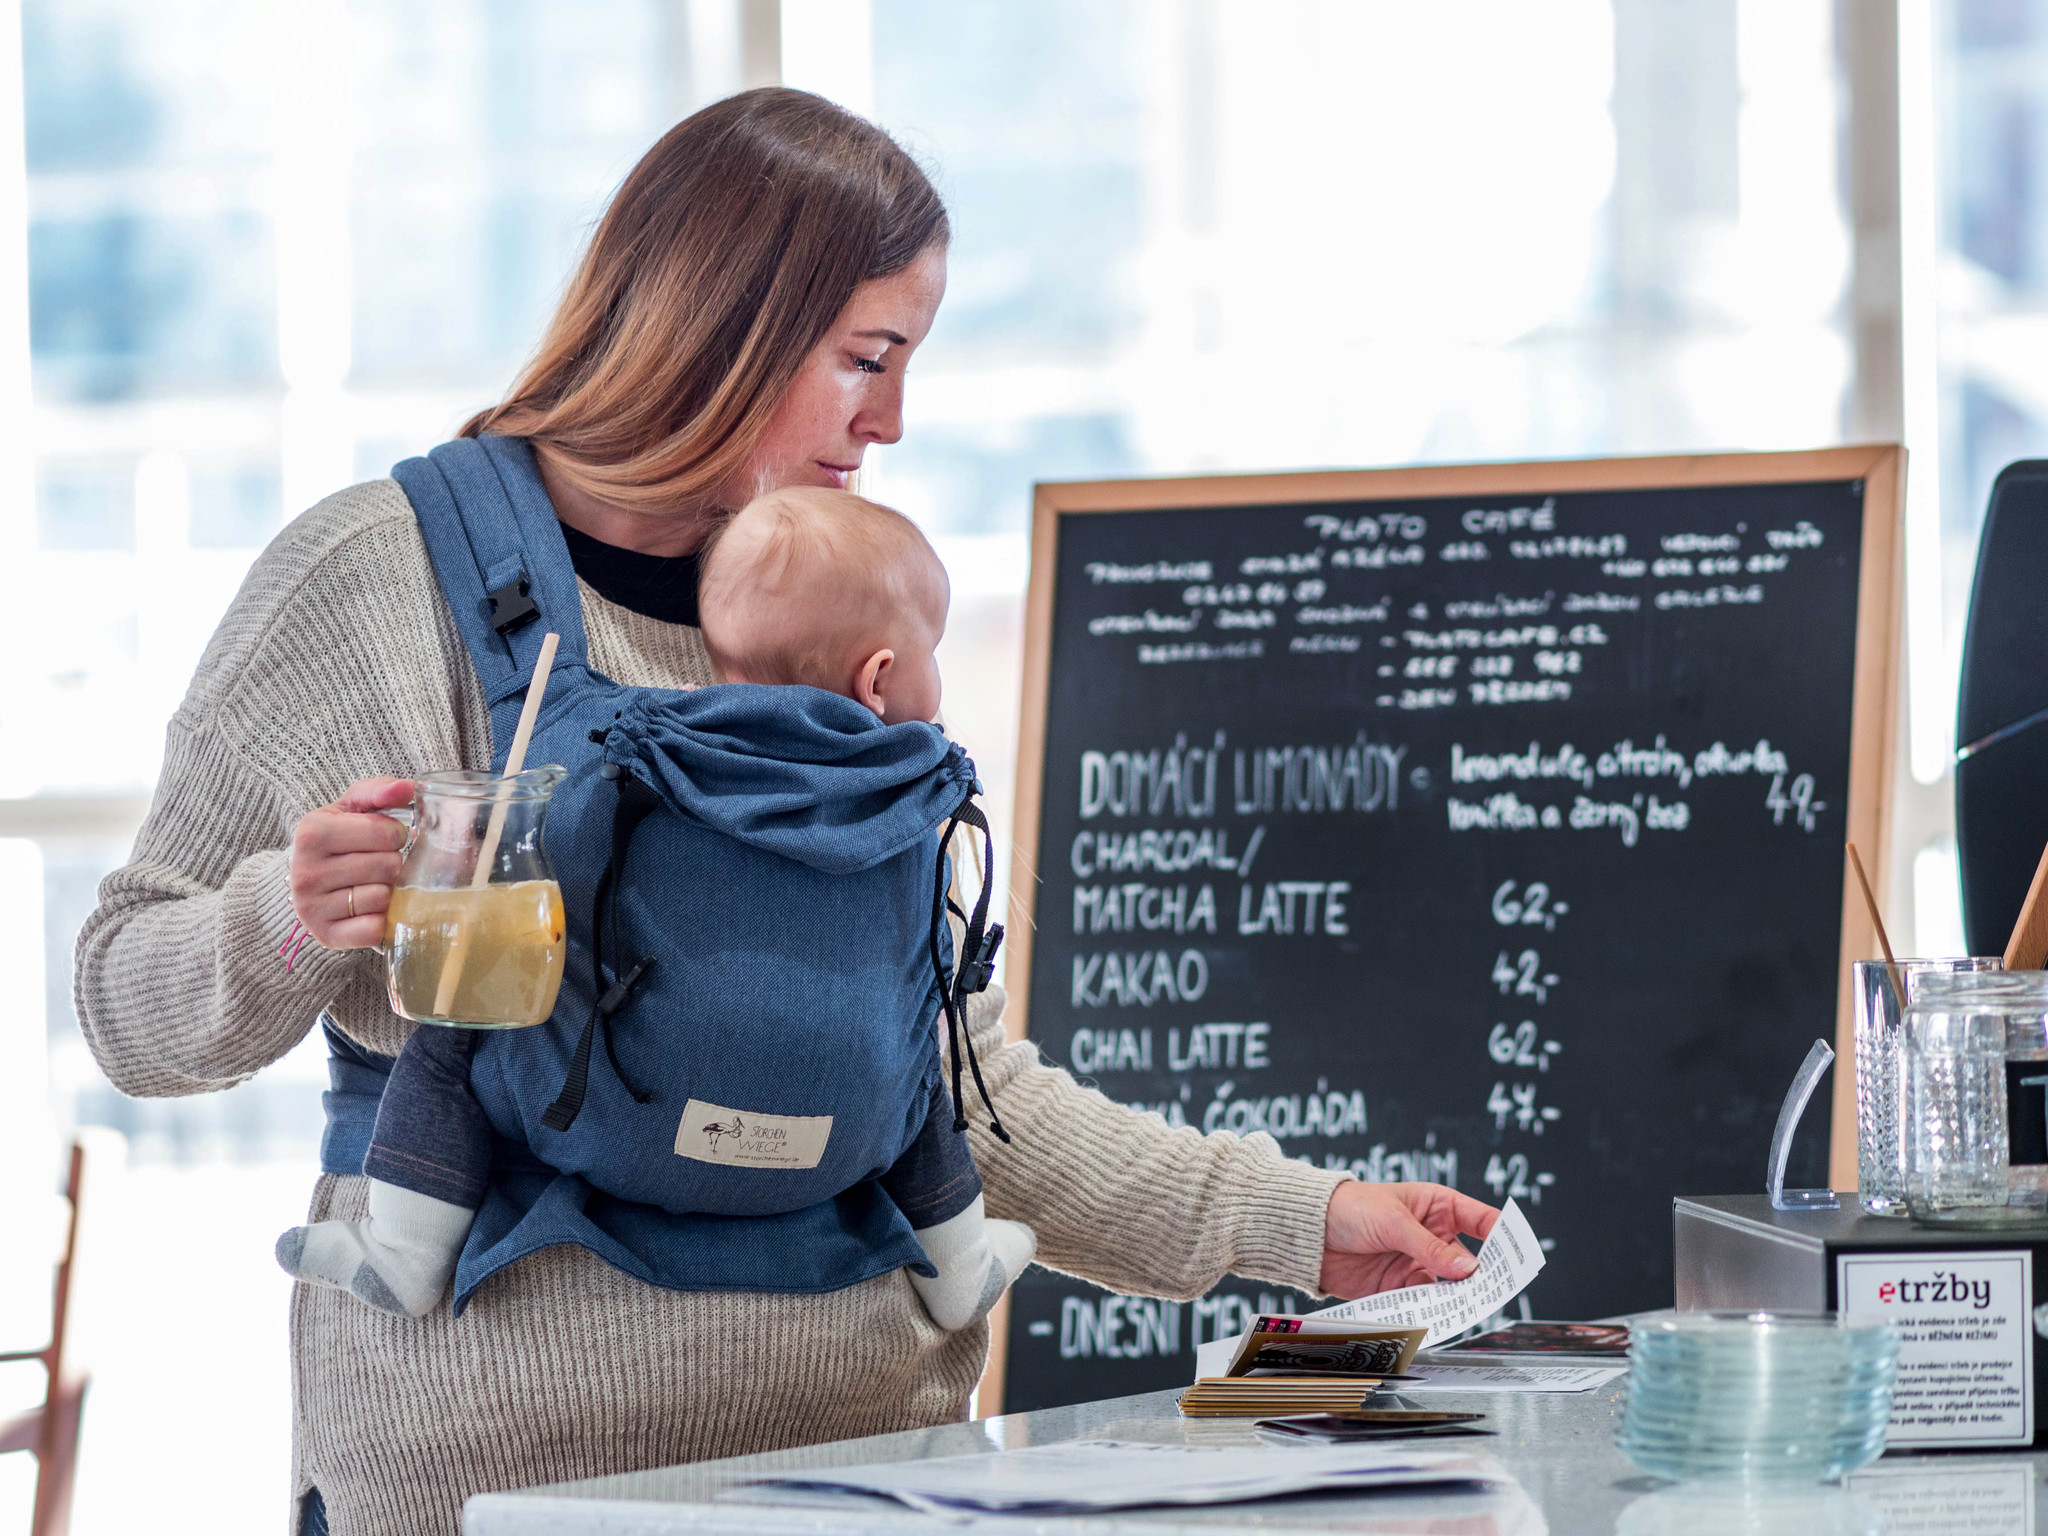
<point x="1523" y="976"/>
<point x="1512" y="1180"/>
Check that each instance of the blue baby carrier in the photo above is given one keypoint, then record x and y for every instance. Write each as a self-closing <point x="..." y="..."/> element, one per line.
<point x="755" y="881"/>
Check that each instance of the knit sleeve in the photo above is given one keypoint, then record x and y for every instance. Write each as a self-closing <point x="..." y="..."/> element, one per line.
<point x="1118" y="1197"/>
<point x="332" y="663"/>
<point x="181" y="968"/>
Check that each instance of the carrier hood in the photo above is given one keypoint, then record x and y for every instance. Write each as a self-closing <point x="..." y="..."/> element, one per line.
<point x="793" y="770"/>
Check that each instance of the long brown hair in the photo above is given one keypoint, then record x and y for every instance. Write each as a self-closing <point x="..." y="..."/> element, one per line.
<point x="722" y="261"/>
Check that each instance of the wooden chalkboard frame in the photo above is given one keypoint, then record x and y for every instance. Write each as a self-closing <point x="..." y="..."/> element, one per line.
<point x="1874" y="726"/>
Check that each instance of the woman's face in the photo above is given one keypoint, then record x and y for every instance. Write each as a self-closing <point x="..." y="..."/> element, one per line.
<point x="849" y="392"/>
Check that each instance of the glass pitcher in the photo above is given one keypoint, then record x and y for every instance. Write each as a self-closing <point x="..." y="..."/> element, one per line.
<point x="481" y="954"/>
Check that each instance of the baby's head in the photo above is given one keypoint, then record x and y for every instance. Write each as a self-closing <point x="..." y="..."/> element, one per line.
<point x="817" y="586"/>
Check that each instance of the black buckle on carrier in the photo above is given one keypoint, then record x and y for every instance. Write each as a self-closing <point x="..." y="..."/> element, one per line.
<point x="979" y="969"/>
<point x="512" y="605"/>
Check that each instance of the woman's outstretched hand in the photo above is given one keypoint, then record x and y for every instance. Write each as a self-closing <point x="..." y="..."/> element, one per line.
<point x="344" y="862"/>
<point x="1380" y="1237"/>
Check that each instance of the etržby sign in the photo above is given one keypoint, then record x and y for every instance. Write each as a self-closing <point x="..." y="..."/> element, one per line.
<point x="1966" y="1355"/>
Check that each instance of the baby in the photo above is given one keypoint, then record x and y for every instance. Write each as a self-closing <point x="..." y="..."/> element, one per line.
<point x="803" y="586"/>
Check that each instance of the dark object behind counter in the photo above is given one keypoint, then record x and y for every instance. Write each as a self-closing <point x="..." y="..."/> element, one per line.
<point x="2002" y="709"/>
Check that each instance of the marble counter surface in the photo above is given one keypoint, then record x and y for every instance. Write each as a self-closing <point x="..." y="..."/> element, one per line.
<point x="1560" y="1449"/>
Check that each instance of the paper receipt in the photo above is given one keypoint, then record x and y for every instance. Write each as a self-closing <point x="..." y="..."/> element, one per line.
<point x="1508" y="1261"/>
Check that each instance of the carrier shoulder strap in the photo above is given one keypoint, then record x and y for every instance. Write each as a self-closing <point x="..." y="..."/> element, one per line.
<point x="503" y="566"/>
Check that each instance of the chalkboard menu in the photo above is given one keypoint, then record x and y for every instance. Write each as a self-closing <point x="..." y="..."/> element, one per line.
<point x="1478" y="825"/>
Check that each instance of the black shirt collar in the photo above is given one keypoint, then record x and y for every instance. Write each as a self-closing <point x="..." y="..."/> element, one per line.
<point x="660" y="587"/>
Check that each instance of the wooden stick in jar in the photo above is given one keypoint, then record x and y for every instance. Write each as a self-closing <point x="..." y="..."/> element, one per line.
<point x="487" y="850"/>
<point x="2027" y="949"/>
<point x="1891" y="964"/>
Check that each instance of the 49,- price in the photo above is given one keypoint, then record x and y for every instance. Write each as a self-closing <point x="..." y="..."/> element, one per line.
<point x="1518" y="1103"/>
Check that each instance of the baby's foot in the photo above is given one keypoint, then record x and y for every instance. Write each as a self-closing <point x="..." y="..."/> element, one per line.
<point x="977" y="1259"/>
<point x="398" y="1259"/>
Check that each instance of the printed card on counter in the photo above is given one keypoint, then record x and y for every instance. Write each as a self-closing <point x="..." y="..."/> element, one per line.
<point x="1308" y="1346"/>
<point x="1508" y="1261"/>
<point x="1966" y="1353"/>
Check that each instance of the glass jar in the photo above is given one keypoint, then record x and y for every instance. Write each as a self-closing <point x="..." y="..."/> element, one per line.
<point x="1957" y="1132"/>
<point x="1880" y="1078"/>
<point x="480" y="953"/>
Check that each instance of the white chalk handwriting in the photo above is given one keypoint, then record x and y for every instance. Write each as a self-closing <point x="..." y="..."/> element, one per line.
<point x="1149" y="622"/>
<point x="1167" y="851"/>
<point x="1105" y="573"/>
<point x="1501" y="607"/>
<point x="1326" y="1112"/>
<point x="1540" y="519"/>
<point x="1143" y="978"/>
<point x="1277" y="911"/>
<point x="1570" y="546"/>
<point x="1136" y="907"/>
<point x="1370" y="528"/>
<point x="1361" y="775"/>
<point x="1200" y="650"/>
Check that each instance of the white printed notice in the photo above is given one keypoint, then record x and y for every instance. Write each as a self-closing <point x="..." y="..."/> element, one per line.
<point x="1508" y="1261"/>
<point x="1966" y="1355"/>
<point x="1509" y="1378"/>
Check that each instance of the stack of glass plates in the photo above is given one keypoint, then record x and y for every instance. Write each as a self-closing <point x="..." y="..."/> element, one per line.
<point x="1788" y="1395"/>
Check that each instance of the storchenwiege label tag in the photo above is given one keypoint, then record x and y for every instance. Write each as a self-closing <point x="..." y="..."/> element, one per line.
<point x="740" y="1138"/>
<point x="1966" y="1356"/>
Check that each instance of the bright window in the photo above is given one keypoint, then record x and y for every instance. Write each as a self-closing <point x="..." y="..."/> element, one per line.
<point x="275" y="247"/>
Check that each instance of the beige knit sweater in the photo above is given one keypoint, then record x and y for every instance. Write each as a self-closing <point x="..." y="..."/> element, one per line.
<point x="338" y="659"/>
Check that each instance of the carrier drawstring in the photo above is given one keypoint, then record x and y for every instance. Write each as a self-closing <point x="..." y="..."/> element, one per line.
<point x="636" y="800"/>
<point x="977" y="958"/>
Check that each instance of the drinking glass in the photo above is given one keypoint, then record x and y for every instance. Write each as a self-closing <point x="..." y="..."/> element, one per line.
<point x="1880" y="1082"/>
<point x="480" y="954"/>
<point x="1958" y="1150"/>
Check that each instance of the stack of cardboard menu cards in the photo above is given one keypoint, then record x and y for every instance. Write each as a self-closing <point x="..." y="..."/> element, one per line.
<point x="1290" y="1365"/>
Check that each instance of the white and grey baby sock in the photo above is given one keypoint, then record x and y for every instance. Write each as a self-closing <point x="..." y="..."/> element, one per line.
<point x="398" y="1259"/>
<point x="976" y="1259"/>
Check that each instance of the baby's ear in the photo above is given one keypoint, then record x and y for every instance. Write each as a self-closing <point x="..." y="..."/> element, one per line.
<point x="871" y="681"/>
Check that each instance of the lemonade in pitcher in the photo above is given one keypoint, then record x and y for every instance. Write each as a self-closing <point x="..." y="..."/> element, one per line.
<point x="511" y="970"/>
<point x="483" y="951"/>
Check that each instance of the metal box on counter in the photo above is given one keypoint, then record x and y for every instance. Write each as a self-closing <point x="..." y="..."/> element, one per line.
<point x="1968" y="1304"/>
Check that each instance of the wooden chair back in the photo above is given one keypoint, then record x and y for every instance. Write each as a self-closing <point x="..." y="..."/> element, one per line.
<point x="51" y="1431"/>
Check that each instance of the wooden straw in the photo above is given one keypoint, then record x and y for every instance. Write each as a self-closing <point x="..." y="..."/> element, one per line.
<point x="487" y="850"/>
<point x="2027" y="949"/>
<point x="1891" y="964"/>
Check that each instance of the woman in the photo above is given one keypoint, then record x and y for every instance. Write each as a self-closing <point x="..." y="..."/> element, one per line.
<point x="742" y="321"/>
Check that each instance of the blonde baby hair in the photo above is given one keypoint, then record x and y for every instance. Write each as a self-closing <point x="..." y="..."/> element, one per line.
<point x="802" y="584"/>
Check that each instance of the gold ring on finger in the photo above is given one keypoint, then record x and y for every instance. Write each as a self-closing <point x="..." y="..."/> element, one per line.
<point x="351" y="901"/>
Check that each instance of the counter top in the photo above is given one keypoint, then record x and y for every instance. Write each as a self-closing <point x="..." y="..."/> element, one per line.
<point x="1560" y="1448"/>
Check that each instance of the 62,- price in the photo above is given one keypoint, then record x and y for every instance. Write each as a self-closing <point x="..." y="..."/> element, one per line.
<point x="1519" y="1047"/>
<point x="1527" y="906"/>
